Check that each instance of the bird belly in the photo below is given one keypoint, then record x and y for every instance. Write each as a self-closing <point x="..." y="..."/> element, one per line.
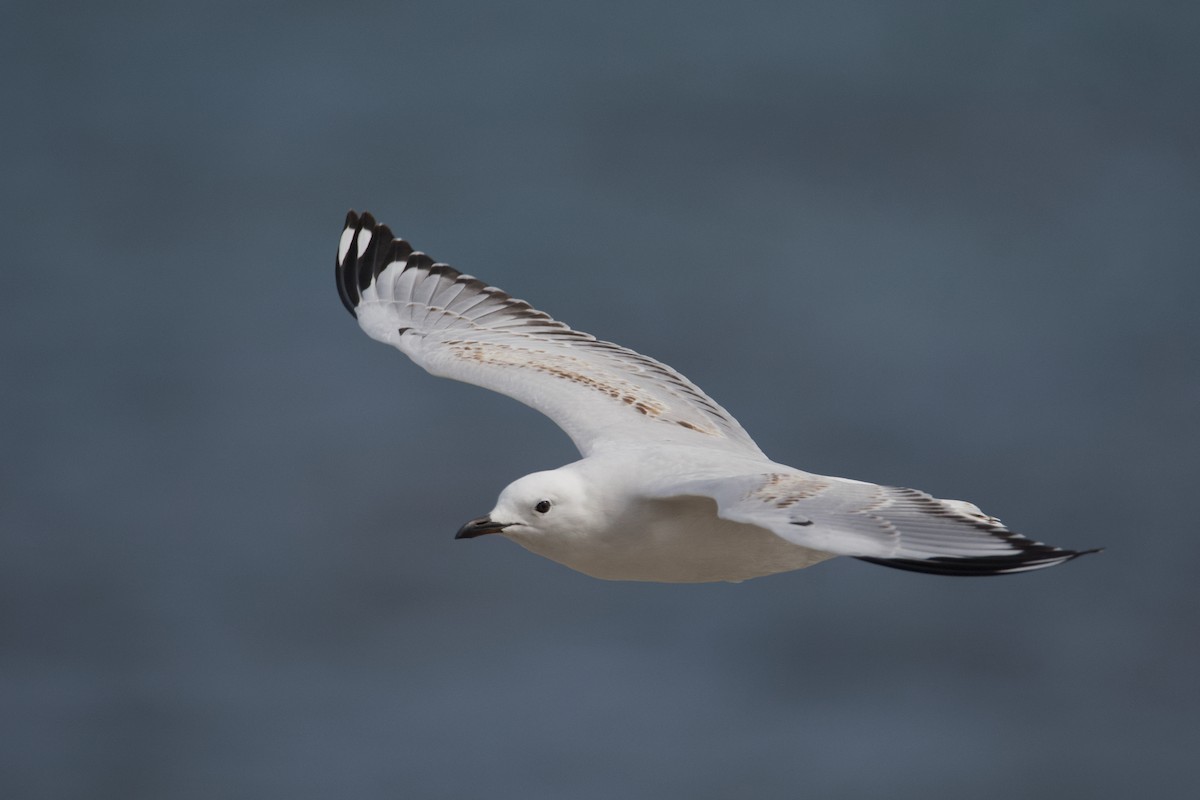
<point x="675" y="540"/>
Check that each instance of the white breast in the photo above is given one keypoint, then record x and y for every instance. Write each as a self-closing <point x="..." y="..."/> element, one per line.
<point x="676" y="540"/>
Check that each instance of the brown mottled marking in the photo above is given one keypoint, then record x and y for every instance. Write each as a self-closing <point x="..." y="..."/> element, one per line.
<point x="784" y="490"/>
<point x="496" y="354"/>
<point x="560" y="366"/>
<point x="707" y="430"/>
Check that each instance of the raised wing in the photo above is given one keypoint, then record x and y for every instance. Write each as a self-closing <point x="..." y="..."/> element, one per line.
<point x="901" y="528"/>
<point x="456" y="327"/>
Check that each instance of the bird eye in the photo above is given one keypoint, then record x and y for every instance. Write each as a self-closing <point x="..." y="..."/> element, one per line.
<point x="542" y="507"/>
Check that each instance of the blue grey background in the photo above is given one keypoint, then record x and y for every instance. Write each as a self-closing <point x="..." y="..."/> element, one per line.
<point x="943" y="245"/>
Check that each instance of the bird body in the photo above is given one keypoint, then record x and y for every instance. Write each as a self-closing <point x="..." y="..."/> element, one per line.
<point x="634" y="527"/>
<point x="670" y="487"/>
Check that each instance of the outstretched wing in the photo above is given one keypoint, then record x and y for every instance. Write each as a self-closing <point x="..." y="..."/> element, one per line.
<point x="896" y="527"/>
<point x="454" y="326"/>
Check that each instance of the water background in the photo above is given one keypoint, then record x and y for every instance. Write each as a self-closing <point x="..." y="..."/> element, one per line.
<point x="943" y="245"/>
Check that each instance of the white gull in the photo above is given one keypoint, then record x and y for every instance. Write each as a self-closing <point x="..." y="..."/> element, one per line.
<point x="670" y="487"/>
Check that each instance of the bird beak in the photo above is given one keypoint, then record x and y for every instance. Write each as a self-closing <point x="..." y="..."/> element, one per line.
<point x="478" y="527"/>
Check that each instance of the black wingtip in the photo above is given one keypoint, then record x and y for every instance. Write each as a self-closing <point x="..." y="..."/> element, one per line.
<point x="1032" y="558"/>
<point x="347" y="254"/>
<point x="355" y="270"/>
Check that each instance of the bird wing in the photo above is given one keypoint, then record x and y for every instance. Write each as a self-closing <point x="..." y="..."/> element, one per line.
<point x="896" y="527"/>
<point x="454" y="326"/>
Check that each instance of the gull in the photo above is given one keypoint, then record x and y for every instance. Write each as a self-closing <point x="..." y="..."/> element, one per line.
<point x="670" y="487"/>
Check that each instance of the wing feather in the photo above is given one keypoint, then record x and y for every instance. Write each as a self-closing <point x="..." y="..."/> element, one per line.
<point x="457" y="327"/>
<point x="892" y="526"/>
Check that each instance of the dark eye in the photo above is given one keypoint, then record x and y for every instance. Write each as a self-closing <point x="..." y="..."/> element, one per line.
<point x="542" y="507"/>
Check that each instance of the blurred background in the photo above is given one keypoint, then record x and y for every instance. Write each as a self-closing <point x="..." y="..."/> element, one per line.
<point x="943" y="245"/>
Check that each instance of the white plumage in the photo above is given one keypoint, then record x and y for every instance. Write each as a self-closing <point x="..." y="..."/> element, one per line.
<point x="671" y="488"/>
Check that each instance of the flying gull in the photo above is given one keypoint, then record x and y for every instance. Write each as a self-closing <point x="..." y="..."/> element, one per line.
<point x="670" y="487"/>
